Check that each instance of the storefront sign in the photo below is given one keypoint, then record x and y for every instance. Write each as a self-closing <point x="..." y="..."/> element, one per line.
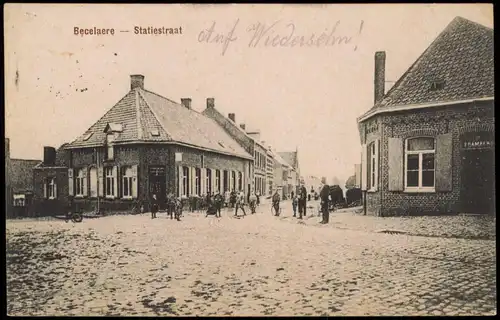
<point x="478" y="141"/>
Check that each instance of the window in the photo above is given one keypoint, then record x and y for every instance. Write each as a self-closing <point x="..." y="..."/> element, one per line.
<point x="233" y="179"/>
<point x="209" y="181"/>
<point x="240" y="181"/>
<point x="109" y="181"/>
<point x="51" y="188"/>
<point x="419" y="164"/>
<point x="19" y="200"/>
<point x="127" y="180"/>
<point x="372" y="166"/>
<point x="217" y="180"/>
<point x="109" y="144"/>
<point x="185" y="181"/>
<point x="197" y="181"/>
<point x="437" y="85"/>
<point x="80" y="183"/>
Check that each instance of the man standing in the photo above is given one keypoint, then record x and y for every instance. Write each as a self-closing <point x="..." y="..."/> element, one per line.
<point x="154" y="206"/>
<point x="302" y="201"/>
<point x="218" y="202"/>
<point x="240" y="203"/>
<point x="324" y="196"/>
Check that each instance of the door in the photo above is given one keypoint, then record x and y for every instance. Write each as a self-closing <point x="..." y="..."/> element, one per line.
<point x="478" y="181"/>
<point x="158" y="185"/>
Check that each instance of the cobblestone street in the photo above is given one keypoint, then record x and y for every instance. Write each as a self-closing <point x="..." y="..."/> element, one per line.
<point x="254" y="265"/>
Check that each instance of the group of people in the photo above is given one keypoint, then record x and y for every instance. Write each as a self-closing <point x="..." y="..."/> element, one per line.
<point x="231" y="199"/>
<point x="174" y="206"/>
<point x="299" y="201"/>
<point x="237" y="201"/>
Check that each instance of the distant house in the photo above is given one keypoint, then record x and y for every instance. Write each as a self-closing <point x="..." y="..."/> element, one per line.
<point x="292" y="158"/>
<point x="145" y="145"/>
<point x="270" y="171"/>
<point x="248" y="139"/>
<point x="19" y="182"/>
<point x="282" y="172"/>
<point x="428" y="143"/>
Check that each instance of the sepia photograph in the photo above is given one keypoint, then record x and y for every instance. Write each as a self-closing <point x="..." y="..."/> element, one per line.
<point x="249" y="160"/>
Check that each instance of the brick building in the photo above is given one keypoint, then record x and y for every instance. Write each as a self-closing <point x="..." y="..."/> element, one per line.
<point x="428" y="143"/>
<point x="147" y="144"/>
<point x="249" y="141"/>
<point x="270" y="172"/>
<point x="18" y="184"/>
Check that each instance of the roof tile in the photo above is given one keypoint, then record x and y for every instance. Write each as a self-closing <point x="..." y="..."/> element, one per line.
<point x="462" y="56"/>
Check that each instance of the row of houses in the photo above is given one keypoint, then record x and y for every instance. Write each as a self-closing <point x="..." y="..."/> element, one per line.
<point x="428" y="143"/>
<point x="147" y="144"/>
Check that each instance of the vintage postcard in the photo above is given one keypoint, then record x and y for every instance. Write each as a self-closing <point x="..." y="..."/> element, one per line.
<point x="250" y="160"/>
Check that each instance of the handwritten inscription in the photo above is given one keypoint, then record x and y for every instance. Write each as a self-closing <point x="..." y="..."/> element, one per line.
<point x="279" y="34"/>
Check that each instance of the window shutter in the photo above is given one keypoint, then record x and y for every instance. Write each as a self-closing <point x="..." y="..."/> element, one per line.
<point x="85" y="184"/>
<point x="55" y="188"/>
<point x="115" y="181"/>
<point x="45" y="195"/>
<point x="100" y="181"/>
<point x="377" y="164"/>
<point x="93" y="182"/>
<point x="71" y="184"/>
<point x="134" y="182"/>
<point x="443" y="160"/>
<point x="395" y="164"/>
<point x="180" y="175"/>
<point x="364" y="167"/>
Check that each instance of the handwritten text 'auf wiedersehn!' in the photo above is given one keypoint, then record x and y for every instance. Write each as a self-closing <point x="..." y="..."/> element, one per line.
<point x="279" y="34"/>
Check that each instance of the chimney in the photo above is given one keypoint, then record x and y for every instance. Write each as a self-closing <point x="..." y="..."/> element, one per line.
<point x="242" y="126"/>
<point x="186" y="102"/>
<point x="49" y="156"/>
<point x="210" y="103"/>
<point x="379" y="81"/>
<point x="232" y="116"/>
<point x="136" y="81"/>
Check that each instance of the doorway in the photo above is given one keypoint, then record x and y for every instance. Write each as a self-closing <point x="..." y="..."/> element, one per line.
<point x="478" y="177"/>
<point x="158" y="185"/>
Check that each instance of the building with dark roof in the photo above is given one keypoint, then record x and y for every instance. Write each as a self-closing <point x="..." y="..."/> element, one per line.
<point x="18" y="184"/>
<point x="249" y="140"/>
<point x="428" y="143"/>
<point x="147" y="144"/>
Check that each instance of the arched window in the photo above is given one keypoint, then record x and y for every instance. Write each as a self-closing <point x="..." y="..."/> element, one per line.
<point x="420" y="164"/>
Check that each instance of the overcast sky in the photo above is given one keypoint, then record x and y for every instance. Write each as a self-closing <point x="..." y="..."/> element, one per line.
<point x="306" y="98"/>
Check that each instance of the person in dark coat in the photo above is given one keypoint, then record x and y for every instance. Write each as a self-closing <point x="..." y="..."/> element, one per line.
<point x="154" y="206"/>
<point x="324" y="196"/>
<point x="302" y="201"/>
<point x="218" y="203"/>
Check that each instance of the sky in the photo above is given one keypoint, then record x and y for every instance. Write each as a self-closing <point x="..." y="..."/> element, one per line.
<point x="58" y="84"/>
